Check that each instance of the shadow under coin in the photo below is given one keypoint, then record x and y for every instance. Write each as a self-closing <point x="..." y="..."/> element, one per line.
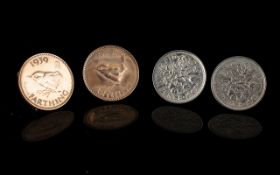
<point x="234" y="126"/>
<point x="110" y="117"/>
<point x="177" y="119"/>
<point x="48" y="126"/>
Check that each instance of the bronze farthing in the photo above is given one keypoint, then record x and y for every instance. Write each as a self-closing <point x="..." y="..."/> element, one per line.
<point x="111" y="73"/>
<point x="45" y="81"/>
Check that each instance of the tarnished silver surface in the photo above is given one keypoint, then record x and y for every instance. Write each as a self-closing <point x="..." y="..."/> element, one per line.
<point x="238" y="83"/>
<point x="179" y="76"/>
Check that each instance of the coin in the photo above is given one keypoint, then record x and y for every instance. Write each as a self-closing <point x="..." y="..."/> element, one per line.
<point x="111" y="73"/>
<point x="238" y="83"/>
<point x="234" y="126"/>
<point x="48" y="126"/>
<point x="110" y="117"/>
<point x="179" y="76"/>
<point x="177" y="119"/>
<point x="45" y="81"/>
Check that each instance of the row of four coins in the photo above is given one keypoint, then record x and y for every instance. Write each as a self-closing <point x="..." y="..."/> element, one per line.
<point x="237" y="83"/>
<point x="46" y="82"/>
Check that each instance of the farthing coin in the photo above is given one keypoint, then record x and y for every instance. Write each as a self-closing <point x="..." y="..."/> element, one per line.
<point x="111" y="73"/>
<point x="45" y="81"/>
<point x="238" y="83"/>
<point x="179" y="76"/>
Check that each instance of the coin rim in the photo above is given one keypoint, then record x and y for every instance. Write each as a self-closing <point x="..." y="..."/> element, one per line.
<point x="215" y="73"/>
<point x="203" y="83"/>
<point x="21" y="88"/>
<point x="85" y="68"/>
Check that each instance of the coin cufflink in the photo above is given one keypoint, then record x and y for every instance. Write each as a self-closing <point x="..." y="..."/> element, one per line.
<point x="45" y="81"/>
<point x="110" y="73"/>
<point x="179" y="76"/>
<point x="238" y="83"/>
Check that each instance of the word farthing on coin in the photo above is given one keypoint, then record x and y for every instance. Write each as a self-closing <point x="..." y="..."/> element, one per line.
<point x="179" y="76"/>
<point x="45" y="81"/>
<point x="111" y="73"/>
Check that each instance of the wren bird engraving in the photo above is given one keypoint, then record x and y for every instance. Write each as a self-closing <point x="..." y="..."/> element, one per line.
<point x="49" y="81"/>
<point x="112" y="72"/>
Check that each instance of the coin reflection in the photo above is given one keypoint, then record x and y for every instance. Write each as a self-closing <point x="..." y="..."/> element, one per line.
<point x="177" y="119"/>
<point x="234" y="126"/>
<point x="110" y="117"/>
<point x="48" y="126"/>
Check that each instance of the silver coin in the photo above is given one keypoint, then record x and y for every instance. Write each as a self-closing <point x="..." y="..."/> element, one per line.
<point x="238" y="83"/>
<point x="177" y="119"/>
<point x="179" y="76"/>
<point x="234" y="126"/>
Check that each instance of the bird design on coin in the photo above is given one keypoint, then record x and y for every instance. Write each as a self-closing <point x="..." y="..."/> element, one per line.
<point x="112" y="72"/>
<point x="47" y="80"/>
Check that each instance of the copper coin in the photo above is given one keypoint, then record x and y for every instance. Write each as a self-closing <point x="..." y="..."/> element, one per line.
<point x="45" y="81"/>
<point x="111" y="73"/>
<point x="110" y="117"/>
